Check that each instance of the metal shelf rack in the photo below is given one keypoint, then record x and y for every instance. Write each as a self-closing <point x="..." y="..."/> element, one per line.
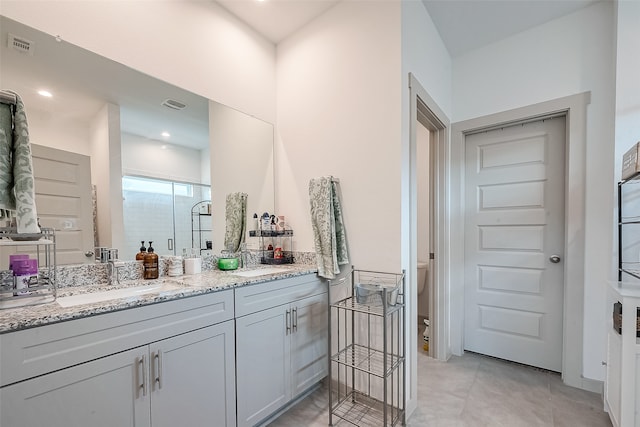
<point x="367" y="349"/>
<point x="42" y="291"/>
<point x="631" y="268"/>
<point x="201" y="226"/>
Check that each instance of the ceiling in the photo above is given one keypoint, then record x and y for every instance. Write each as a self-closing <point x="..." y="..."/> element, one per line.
<point x="463" y="24"/>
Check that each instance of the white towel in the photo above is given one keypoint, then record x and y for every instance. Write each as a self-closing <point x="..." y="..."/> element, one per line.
<point x="328" y="227"/>
<point x="16" y="169"/>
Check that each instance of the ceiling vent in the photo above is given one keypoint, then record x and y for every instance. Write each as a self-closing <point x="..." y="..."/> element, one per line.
<point x="173" y="104"/>
<point x="21" y="44"/>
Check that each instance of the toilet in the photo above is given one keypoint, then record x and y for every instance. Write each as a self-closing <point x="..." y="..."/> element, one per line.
<point x="423" y="276"/>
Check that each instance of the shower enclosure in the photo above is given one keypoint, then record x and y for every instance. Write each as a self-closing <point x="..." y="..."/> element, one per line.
<point x="159" y="211"/>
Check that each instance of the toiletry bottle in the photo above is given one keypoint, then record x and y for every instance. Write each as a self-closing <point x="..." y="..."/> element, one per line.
<point x="150" y="264"/>
<point x="140" y="255"/>
<point x="255" y="221"/>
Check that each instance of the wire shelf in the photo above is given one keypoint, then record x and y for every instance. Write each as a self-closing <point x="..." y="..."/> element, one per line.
<point x="364" y="411"/>
<point x="367" y="360"/>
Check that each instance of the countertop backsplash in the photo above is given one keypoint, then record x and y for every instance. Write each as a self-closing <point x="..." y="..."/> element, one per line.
<point x="90" y="274"/>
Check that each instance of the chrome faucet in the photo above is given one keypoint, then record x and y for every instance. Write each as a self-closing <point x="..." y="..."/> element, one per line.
<point x="109" y="256"/>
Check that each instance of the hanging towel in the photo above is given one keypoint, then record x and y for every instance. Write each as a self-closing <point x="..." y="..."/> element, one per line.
<point x="16" y="169"/>
<point x="236" y="222"/>
<point x="328" y="228"/>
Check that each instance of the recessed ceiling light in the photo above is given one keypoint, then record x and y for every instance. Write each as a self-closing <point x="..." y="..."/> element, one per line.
<point x="45" y="93"/>
<point x="166" y="134"/>
<point x="164" y="147"/>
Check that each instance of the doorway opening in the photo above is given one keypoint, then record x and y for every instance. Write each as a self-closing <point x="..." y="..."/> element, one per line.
<point x="429" y="233"/>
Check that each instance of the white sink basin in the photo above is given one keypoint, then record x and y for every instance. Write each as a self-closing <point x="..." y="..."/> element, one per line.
<point x="260" y="272"/>
<point x="129" y="293"/>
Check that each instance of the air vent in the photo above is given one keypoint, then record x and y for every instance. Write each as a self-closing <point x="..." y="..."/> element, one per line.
<point x="21" y="44"/>
<point x="173" y="104"/>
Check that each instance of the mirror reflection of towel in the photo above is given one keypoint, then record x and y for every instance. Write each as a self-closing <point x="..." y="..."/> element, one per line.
<point x="236" y="221"/>
<point x="328" y="227"/>
<point x="16" y="168"/>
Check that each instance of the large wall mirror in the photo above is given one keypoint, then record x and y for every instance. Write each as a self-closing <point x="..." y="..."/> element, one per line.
<point x="103" y="126"/>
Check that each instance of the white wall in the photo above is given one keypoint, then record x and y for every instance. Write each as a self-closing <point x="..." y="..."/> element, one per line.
<point x="195" y="45"/>
<point x="106" y="174"/>
<point x="338" y="114"/>
<point x="52" y="130"/>
<point x="147" y="157"/>
<point x="241" y="161"/>
<point x="567" y="56"/>
<point x="425" y="55"/>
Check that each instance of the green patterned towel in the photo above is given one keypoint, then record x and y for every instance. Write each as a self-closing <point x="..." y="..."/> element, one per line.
<point x="236" y="222"/>
<point x="328" y="227"/>
<point x="16" y="170"/>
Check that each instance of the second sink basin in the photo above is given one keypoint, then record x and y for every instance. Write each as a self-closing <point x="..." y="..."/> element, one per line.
<point x="260" y="272"/>
<point x="132" y="292"/>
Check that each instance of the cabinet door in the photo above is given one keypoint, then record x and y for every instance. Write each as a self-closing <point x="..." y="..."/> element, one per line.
<point x="612" y="380"/>
<point x="101" y="393"/>
<point x="263" y="364"/>
<point x="309" y="342"/>
<point x="193" y="378"/>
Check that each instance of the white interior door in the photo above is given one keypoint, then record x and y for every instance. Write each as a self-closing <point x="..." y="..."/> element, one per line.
<point x="514" y="229"/>
<point x="64" y="202"/>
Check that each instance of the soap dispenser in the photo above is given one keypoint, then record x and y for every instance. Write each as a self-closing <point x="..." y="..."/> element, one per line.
<point x="150" y="263"/>
<point x="143" y="251"/>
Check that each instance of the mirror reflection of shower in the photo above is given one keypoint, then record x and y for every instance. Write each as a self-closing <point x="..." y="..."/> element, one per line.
<point x="160" y="211"/>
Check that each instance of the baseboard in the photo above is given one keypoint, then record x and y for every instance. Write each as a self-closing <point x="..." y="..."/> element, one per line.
<point x="594" y="386"/>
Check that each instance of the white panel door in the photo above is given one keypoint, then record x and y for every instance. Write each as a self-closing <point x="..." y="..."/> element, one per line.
<point x="514" y="225"/>
<point x="64" y="201"/>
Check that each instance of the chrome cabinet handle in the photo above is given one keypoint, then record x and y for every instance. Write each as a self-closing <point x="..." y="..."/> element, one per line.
<point x="555" y="259"/>
<point x="158" y="369"/>
<point x="295" y="319"/>
<point x="288" y="322"/>
<point x="170" y="244"/>
<point x="141" y="373"/>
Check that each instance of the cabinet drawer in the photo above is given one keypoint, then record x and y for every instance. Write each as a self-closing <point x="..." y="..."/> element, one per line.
<point x="31" y="352"/>
<point x="261" y="296"/>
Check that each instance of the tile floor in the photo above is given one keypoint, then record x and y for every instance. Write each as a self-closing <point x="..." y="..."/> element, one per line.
<point x="475" y="390"/>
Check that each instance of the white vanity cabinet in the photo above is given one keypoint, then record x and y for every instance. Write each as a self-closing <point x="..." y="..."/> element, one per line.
<point x="100" y="393"/>
<point x="622" y="381"/>
<point x="281" y="341"/>
<point x="95" y="372"/>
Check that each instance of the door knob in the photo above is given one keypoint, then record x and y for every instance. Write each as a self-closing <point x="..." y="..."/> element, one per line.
<point x="89" y="254"/>
<point x="554" y="259"/>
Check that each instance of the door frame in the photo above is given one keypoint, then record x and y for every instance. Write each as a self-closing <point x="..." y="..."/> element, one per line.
<point x="574" y="107"/>
<point x="425" y="110"/>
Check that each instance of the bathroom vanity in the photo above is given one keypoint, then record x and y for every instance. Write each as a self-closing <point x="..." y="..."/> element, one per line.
<point x="187" y="355"/>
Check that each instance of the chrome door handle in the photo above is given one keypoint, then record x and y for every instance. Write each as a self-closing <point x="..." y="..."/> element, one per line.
<point x="142" y="373"/>
<point x="170" y="244"/>
<point x="288" y="321"/>
<point x="294" y="314"/>
<point x="157" y="358"/>
<point x="555" y="259"/>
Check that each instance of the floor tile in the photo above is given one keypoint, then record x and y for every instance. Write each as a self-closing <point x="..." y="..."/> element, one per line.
<point x="477" y="391"/>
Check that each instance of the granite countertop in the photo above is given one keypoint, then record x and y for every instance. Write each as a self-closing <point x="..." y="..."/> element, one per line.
<point x="14" y="319"/>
